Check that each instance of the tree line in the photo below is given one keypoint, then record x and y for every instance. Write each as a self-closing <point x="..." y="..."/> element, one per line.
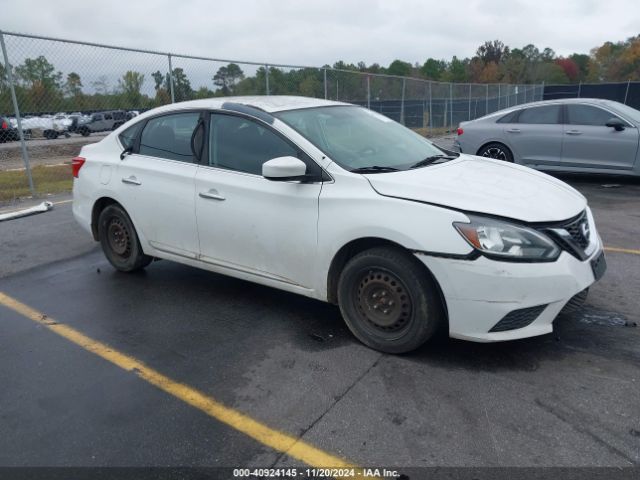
<point x="40" y="87"/>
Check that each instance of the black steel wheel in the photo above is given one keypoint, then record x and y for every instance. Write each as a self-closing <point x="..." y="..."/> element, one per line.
<point x="119" y="240"/>
<point x="496" y="150"/>
<point x="389" y="301"/>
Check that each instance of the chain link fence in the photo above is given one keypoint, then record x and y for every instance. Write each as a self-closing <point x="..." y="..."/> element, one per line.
<point x="58" y="95"/>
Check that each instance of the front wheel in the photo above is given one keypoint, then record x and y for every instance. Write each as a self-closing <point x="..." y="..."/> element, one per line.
<point x="389" y="301"/>
<point x="496" y="150"/>
<point x="119" y="240"/>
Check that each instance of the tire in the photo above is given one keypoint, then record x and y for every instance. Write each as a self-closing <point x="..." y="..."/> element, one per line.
<point x="388" y="301"/>
<point x="84" y="132"/>
<point x="496" y="150"/>
<point x="119" y="240"/>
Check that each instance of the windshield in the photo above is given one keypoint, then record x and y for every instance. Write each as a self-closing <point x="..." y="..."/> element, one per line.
<point x="356" y="138"/>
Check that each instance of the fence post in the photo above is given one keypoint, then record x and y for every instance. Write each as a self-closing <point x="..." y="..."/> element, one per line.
<point x="499" y="97"/>
<point x="369" y="92"/>
<point x="486" y="101"/>
<point x="579" y="88"/>
<point x="404" y="81"/>
<point x="430" y="111"/>
<point x="171" y="88"/>
<point x="14" y="99"/>
<point x="450" y="106"/>
<point x="325" y="83"/>
<point x="627" y="91"/>
<point x="469" y="102"/>
<point x="266" y="78"/>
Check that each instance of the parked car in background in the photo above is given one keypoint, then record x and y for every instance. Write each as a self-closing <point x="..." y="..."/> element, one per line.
<point x="8" y="132"/>
<point x="344" y="205"/>
<point x="102" y="122"/>
<point x="572" y="135"/>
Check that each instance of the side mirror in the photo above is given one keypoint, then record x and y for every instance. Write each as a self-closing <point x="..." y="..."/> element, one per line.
<point x="125" y="152"/>
<point x="284" y="168"/>
<point x="616" y="123"/>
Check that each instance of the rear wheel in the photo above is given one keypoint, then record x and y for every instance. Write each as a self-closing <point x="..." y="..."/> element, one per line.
<point x="119" y="240"/>
<point x="84" y="131"/>
<point x="389" y="301"/>
<point x="496" y="150"/>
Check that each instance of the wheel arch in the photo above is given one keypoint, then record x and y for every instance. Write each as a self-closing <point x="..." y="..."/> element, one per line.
<point x="96" y="210"/>
<point x="353" y="248"/>
<point x="501" y="142"/>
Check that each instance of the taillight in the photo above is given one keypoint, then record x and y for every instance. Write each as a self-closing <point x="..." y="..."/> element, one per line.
<point x="460" y="131"/>
<point x="4" y="125"/>
<point x="76" y="165"/>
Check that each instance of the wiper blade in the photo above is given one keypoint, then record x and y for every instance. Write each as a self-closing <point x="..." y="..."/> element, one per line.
<point x="374" y="169"/>
<point x="431" y="159"/>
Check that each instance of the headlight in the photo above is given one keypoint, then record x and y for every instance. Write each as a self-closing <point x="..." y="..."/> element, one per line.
<point x="507" y="241"/>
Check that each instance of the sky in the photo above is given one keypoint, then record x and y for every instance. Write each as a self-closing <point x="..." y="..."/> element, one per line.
<point x="314" y="33"/>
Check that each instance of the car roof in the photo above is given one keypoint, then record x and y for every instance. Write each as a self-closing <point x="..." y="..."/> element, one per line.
<point x="556" y="101"/>
<point x="268" y="103"/>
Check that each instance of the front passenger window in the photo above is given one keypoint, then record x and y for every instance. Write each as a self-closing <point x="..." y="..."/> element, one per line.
<point x="588" y="115"/>
<point x="243" y="145"/>
<point x="169" y="136"/>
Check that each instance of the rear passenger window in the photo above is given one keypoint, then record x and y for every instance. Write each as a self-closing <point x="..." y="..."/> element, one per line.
<point x="588" y="115"/>
<point x="128" y="137"/>
<point x="509" y="117"/>
<point x="243" y="145"/>
<point x="549" y="114"/>
<point x="169" y="137"/>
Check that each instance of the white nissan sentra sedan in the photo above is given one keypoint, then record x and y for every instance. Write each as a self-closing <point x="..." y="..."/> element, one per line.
<point x="341" y="204"/>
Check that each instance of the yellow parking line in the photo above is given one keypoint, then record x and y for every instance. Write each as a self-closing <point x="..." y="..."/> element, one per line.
<point x="62" y="202"/>
<point x="280" y="441"/>
<point x="622" y="250"/>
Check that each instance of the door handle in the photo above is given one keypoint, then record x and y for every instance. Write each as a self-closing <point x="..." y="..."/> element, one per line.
<point x="513" y="130"/>
<point x="212" y="195"/>
<point x="131" y="181"/>
<point x="573" y="132"/>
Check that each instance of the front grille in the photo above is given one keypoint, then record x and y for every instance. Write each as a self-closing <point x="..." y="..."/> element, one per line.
<point x="518" y="319"/>
<point x="573" y="236"/>
<point x="579" y="230"/>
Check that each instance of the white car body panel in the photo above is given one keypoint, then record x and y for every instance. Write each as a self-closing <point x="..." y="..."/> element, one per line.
<point x="257" y="227"/>
<point x="487" y="186"/>
<point x="286" y="234"/>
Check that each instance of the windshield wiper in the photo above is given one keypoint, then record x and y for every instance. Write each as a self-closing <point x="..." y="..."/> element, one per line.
<point x="431" y="159"/>
<point x="374" y="169"/>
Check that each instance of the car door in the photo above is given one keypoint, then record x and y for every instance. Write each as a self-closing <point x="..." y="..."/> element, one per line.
<point x="589" y="143"/>
<point x="536" y="135"/>
<point x="248" y="223"/>
<point x="97" y="122"/>
<point x="156" y="182"/>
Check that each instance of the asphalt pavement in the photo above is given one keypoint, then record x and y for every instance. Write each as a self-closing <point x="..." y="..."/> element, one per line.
<point x="288" y="362"/>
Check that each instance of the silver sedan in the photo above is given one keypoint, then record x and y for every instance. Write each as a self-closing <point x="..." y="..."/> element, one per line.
<point x="571" y="135"/>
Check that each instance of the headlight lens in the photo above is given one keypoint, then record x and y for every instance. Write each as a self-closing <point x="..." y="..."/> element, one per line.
<point x="507" y="241"/>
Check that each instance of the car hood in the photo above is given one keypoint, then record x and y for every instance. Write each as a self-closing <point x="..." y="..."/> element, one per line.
<point x="481" y="185"/>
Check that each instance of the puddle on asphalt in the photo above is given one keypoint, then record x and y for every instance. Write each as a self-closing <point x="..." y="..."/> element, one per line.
<point x="595" y="316"/>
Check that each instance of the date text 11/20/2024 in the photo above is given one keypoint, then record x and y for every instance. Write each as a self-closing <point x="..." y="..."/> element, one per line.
<point x="319" y="473"/>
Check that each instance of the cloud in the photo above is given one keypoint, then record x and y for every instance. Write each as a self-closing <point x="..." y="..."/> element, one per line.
<point x="319" y="32"/>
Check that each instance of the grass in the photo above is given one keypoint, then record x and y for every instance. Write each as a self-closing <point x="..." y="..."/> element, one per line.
<point x="434" y="131"/>
<point x="53" y="179"/>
